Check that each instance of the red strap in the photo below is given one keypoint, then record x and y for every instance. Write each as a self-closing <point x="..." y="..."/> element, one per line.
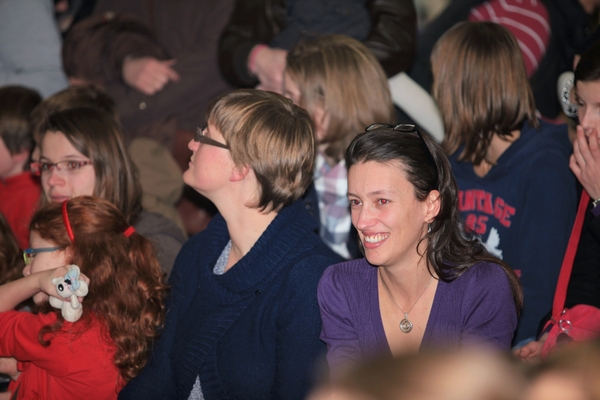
<point x="567" y="265"/>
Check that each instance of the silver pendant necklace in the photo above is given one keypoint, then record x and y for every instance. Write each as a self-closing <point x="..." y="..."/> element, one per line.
<point x="405" y="325"/>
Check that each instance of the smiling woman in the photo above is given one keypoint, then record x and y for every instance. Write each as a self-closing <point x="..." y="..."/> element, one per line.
<point x="423" y="281"/>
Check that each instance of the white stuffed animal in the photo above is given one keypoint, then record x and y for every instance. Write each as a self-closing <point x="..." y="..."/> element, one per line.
<point x="71" y="287"/>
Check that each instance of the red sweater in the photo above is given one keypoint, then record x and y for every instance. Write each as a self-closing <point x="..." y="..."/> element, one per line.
<point x="19" y="198"/>
<point x="78" y="364"/>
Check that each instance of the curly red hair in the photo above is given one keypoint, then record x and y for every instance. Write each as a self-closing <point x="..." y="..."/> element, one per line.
<point x="126" y="290"/>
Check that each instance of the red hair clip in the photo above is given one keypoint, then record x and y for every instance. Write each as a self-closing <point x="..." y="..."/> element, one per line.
<point x="129" y="231"/>
<point x="66" y="221"/>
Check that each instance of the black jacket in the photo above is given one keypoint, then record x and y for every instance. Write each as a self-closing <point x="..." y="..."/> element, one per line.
<point x="387" y="27"/>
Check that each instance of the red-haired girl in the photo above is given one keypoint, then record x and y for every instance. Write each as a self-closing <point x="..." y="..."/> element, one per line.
<point x="95" y="356"/>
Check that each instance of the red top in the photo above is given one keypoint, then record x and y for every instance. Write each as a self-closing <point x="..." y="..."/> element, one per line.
<point x="78" y="364"/>
<point x="19" y="198"/>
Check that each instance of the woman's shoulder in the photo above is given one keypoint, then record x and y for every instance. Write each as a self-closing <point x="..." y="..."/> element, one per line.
<point x="304" y="266"/>
<point x="349" y="288"/>
<point x="482" y="283"/>
<point x="348" y="274"/>
<point x="307" y="271"/>
<point x="485" y="273"/>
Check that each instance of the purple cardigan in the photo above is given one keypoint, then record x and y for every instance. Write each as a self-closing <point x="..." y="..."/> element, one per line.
<point x="477" y="308"/>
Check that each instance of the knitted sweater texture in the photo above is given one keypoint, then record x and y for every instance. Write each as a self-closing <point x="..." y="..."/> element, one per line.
<point x="250" y="333"/>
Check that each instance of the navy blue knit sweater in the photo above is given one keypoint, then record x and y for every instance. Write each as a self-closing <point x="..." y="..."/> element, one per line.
<point x="251" y="333"/>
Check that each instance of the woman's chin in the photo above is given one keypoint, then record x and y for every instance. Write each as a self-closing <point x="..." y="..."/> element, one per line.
<point x="187" y="178"/>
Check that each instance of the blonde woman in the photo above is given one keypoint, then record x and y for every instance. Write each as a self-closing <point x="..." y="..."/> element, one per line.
<point x="244" y="320"/>
<point x="341" y="84"/>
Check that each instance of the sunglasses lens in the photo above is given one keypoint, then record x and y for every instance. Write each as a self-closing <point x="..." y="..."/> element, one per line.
<point x="405" y="128"/>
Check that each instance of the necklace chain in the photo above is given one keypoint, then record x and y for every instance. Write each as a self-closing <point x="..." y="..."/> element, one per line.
<point x="405" y="324"/>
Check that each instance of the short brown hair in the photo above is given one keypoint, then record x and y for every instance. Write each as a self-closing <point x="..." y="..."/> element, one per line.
<point x="341" y="75"/>
<point x="481" y="87"/>
<point x="89" y="96"/>
<point x="16" y="105"/>
<point x="270" y="134"/>
<point x="97" y="136"/>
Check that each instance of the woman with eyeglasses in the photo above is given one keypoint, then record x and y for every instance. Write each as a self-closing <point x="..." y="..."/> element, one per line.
<point x="516" y="190"/>
<point x="244" y="320"/>
<point x="339" y="81"/>
<point x="423" y="282"/>
<point x="83" y="153"/>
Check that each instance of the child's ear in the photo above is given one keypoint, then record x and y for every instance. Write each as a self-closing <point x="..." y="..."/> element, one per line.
<point x="20" y="158"/>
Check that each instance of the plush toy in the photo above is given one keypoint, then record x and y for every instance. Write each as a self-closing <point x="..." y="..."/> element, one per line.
<point x="70" y="287"/>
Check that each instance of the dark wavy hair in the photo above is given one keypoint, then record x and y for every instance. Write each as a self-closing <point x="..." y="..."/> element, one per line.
<point x="450" y="249"/>
<point x="15" y="125"/>
<point x="88" y="96"/>
<point x="588" y="67"/>
<point x="126" y="290"/>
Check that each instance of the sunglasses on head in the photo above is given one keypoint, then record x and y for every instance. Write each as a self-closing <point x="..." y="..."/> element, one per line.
<point x="410" y="128"/>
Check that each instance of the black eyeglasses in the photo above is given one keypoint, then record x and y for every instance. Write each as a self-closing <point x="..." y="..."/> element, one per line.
<point x="410" y="128"/>
<point x="202" y="138"/>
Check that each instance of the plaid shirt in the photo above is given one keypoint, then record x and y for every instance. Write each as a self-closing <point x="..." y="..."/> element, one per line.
<point x="331" y="185"/>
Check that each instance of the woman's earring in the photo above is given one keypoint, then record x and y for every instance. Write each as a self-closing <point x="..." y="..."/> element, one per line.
<point x="429" y="228"/>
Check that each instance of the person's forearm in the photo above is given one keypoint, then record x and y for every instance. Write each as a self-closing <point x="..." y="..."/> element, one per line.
<point x="14" y="293"/>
